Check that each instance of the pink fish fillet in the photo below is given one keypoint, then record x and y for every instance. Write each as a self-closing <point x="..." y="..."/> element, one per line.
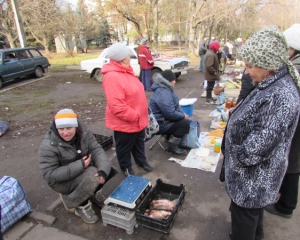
<point x="159" y="214"/>
<point x="163" y="204"/>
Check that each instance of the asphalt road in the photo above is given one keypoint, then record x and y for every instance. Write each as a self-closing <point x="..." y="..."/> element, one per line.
<point x="204" y="214"/>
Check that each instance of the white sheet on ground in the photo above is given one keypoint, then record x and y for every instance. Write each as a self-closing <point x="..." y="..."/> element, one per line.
<point x="205" y="163"/>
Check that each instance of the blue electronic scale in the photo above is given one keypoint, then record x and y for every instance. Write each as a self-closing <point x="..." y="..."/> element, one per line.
<point x="127" y="193"/>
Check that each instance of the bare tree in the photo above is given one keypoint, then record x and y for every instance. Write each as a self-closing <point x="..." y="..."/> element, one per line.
<point x="7" y="23"/>
<point x="42" y="22"/>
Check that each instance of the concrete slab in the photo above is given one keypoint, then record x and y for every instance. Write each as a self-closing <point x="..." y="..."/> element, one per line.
<point x="39" y="216"/>
<point x="17" y="230"/>
<point x="41" y="232"/>
<point x="54" y="205"/>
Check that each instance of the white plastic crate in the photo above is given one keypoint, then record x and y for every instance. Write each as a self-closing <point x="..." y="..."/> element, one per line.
<point x="119" y="217"/>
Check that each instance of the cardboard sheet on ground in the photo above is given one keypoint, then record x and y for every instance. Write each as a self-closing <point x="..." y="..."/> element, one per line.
<point x="203" y="158"/>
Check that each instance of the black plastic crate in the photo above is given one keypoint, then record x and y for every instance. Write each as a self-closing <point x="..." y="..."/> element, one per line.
<point x="160" y="191"/>
<point x="105" y="141"/>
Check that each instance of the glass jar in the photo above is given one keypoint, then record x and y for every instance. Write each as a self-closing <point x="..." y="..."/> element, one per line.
<point x="233" y="102"/>
<point x="228" y="103"/>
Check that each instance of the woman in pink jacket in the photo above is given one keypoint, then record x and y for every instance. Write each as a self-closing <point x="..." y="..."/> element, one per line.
<point x="127" y="108"/>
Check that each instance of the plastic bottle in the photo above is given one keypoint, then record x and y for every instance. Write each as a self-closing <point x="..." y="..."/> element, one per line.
<point x="217" y="147"/>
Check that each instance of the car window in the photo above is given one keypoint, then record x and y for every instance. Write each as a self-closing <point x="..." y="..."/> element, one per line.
<point x="24" y="54"/>
<point x="10" y="57"/>
<point x="35" y="53"/>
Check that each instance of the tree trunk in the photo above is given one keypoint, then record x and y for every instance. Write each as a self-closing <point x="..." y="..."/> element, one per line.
<point x="11" y="40"/>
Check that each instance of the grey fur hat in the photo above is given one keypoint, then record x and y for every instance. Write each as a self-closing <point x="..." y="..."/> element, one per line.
<point x="117" y="52"/>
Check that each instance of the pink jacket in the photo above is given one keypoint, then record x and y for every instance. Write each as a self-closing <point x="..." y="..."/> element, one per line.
<point x="127" y="107"/>
<point x="145" y="58"/>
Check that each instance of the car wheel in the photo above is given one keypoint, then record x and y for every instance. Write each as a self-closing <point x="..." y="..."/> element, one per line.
<point x="98" y="75"/>
<point x="1" y="83"/>
<point x="154" y="72"/>
<point x="38" y="72"/>
<point x="177" y="74"/>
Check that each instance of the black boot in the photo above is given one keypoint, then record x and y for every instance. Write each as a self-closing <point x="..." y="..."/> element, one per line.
<point x="173" y="143"/>
<point x="209" y="98"/>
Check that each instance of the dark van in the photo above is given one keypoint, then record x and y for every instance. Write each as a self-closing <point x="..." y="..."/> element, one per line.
<point x="19" y="62"/>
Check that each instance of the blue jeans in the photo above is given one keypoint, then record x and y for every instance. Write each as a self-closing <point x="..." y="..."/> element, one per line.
<point x="146" y="79"/>
<point x="202" y="64"/>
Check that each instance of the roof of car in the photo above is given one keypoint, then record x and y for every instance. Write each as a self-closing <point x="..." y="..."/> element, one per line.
<point x="15" y="49"/>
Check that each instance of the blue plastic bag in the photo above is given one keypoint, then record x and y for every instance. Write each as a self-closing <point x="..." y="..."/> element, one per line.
<point x="191" y="140"/>
<point x="3" y="127"/>
<point x="13" y="202"/>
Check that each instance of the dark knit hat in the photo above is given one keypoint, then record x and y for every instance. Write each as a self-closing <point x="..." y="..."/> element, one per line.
<point x="168" y="75"/>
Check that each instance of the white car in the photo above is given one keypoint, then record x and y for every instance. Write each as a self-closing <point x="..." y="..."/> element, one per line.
<point x="178" y="65"/>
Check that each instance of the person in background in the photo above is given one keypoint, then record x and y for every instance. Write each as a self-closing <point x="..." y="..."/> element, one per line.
<point x="146" y="64"/>
<point x="230" y="47"/>
<point x="164" y="104"/>
<point x="247" y="86"/>
<point x="288" y="199"/>
<point x="137" y="53"/>
<point x="223" y="59"/>
<point x="213" y="39"/>
<point x="211" y="70"/>
<point x="259" y="132"/>
<point x="75" y="165"/>
<point x="202" y="52"/>
<point x="127" y="108"/>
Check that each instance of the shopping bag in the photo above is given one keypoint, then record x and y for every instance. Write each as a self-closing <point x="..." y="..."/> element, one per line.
<point x="191" y="140"/>
<point x="152" y="127"/>
<point x="13" y="202"/>
<point x="3" y="127"/>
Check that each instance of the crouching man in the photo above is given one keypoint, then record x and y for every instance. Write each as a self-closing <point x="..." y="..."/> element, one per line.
<point x="75" y="165"/>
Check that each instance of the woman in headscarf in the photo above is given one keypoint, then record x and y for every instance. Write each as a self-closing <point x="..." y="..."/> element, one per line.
<point x="127" y="108"/>
<point x="287" y="202"/>
<point x="259" y="132"/>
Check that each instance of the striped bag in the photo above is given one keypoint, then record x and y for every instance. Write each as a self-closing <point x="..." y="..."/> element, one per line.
<point x="13" y="202"/>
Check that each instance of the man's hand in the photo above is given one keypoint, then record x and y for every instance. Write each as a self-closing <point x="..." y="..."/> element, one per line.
<point x="87" y="160"/>
<point x="186" y="116"/>
<point x="101" y="179"/>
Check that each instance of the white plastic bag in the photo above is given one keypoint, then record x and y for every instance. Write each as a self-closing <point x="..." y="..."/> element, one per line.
<point x="205" y="84"/>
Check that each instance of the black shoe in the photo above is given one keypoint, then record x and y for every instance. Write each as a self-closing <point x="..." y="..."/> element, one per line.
<point x="271" y="209"/>
<point x="146" y="167"/>
<point x="211" y="100"/>
<point x="129" y="171"/>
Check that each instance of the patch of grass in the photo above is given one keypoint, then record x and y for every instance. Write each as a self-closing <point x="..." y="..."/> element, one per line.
<point x="19" y="108"/>
<point x="40" y="92"/>
<point x="63" y="60"/>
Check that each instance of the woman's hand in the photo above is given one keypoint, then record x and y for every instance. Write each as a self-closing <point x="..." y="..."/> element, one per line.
<point x="87" y="160"/>
<point x="186" y="116"/>
<point x="101" y="179"/>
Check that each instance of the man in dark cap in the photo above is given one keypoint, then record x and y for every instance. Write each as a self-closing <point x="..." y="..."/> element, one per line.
<point x="164" y="104"/>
